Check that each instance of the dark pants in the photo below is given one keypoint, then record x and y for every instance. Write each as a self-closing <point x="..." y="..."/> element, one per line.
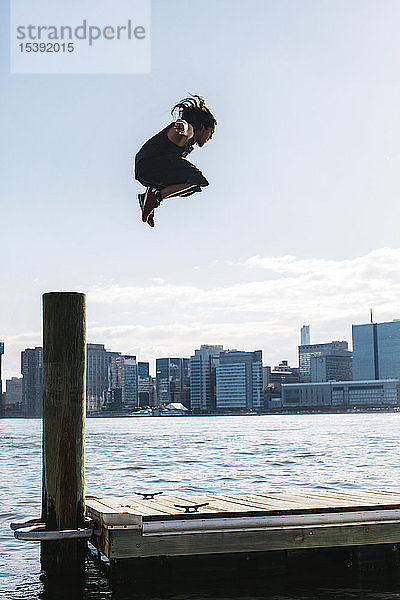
<point x="162" y="172"/>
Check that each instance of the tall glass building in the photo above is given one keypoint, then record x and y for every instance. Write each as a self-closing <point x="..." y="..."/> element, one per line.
<point x="376" y="350"/>
<point x="32" y="381"/>
<point x="305" y="335"/>
<point x="96" y="376"/>
<point x="173" y="380"/>
<point x="202" y="377"/>
<point x="239" y="381"/>
<point x="130" y="389"/>
<point x="143" y="384"/>
<point x="123" y="381"/>
<point x="1" y="353"/>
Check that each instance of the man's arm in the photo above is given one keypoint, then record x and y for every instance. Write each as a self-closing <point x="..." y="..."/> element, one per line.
<point x="180" y="132"/>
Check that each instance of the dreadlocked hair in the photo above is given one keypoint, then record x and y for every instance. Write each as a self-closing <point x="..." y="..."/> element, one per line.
<point x="194" y="111"/>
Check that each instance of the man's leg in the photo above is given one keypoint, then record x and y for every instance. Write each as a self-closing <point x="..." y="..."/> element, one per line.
<point x="153" y="197"/>
<point x="176" y="189"/>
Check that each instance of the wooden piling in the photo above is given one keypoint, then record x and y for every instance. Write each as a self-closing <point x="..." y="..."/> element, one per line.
<point x="64" y="363"/>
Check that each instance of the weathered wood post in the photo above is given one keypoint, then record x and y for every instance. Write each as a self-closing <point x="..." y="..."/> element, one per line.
<point x="64" y="358"/>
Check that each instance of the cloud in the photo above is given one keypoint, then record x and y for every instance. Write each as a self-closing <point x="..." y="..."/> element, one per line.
<point x="385" y="259"/>
<point x="267" y="312"/>
<point x="290" y="286"/>
<point x="13" y="345"/>
<point x="284" y="292"/>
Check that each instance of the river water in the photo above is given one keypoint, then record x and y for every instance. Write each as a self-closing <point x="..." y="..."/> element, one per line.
<point x="253" y="454"/>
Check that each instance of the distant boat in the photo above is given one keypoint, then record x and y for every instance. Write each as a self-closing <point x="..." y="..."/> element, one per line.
<point x="174" y="409"/>
<point x="146" y="412"/>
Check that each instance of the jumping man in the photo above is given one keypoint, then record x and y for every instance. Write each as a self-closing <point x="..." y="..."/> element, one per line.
<point x="161" y="166"/>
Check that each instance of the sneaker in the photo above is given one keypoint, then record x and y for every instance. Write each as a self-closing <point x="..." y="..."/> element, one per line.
<point x="150" y="219"/>
<point x="141" y="201"/>
<point x="152" y="199"/>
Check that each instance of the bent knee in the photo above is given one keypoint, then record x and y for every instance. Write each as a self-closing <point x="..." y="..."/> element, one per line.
<point x="200" y="181"/>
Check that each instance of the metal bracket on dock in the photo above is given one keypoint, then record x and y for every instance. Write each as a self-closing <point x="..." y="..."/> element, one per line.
<point x="148" y="495"/>
<point x="191" y="508"/>
<point x="33" y="530"/>
<point x="25" y="523"/>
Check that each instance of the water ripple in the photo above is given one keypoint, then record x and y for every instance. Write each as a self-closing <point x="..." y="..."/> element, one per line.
<point x="199" y="455"/>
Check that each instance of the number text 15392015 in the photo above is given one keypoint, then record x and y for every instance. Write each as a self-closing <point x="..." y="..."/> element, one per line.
<point x="46" y="47"/>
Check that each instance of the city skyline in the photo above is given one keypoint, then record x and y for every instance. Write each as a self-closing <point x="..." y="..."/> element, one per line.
<point x="216" y="379"/>
<point x="273" y="358"/>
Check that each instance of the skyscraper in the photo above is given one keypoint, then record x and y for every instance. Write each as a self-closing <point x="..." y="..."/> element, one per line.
<point x="202" y="377"/>
<point x="173" y="380"/>
<point x="1" y="385"/>
<point x="305" y="335"/>
<point x="376" y="349"/>
<point x="130" y="388"/>
<point x="96" y="376"/>
<point x="32" y="381"/>
<point x="337" y="367"/>
<point x="143" y="384"/>
<point x="239" y="381"/>
<point x="123" y="381"/>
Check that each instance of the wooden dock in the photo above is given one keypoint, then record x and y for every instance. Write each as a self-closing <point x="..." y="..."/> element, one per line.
<point x="167" y="526"/>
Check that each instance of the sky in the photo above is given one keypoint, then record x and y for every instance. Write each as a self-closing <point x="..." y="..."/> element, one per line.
<point x="298" y="226"/>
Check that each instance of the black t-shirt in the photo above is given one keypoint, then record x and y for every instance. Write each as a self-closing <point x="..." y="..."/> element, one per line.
<point x="160" y="146"/>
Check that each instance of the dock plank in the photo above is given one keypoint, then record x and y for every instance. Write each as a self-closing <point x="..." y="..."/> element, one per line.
<point x="222" y="504"/>
<point x="233" y="505"/>
<point x="293" y="500"/>
<point x="110" y="516"/>
<point x="262" y="502"/>
<point x="339" y="498"/>
<point x="327" y="502"/>
<point x="282" y="504"/>
<point x="374" y="496"/>
<point x="303" y="501"/>
<point x="120" y="505"/>
<point x="354" y="498"/>
<point x="167" y="504"/>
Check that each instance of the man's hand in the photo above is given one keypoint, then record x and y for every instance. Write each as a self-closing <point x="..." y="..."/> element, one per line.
<point x="183" y="128"/>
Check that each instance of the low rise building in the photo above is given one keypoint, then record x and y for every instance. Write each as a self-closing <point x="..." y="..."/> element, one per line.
<point x="13" y="397"/>
<point x="342" y="394"/>
<point x="325" y="362"/>
<point x="274" y="378"/>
